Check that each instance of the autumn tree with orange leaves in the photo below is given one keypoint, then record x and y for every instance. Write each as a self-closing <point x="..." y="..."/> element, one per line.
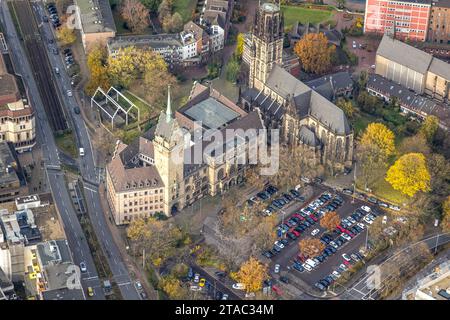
<point x="252" y="273"/>
<point x="135" y="14"/>
<point x="330" y="220"/>
<point x="314" y="52"/>
<point x="311" y="247"/>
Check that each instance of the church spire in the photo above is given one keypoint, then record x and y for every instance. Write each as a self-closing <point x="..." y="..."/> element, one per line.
<point x="169" y="108"/>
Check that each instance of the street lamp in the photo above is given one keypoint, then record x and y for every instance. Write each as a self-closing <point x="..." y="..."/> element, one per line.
<point x="436" y="223"/>
<point x="367" y="237"/>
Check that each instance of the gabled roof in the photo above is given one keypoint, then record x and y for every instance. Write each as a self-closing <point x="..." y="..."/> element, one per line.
<point x="404" y="54"/>
<point x="329" y="114"/>
<point x="441" y="68"/>
<point x="307" y="101"/>
<point x="284" y="83"/>
<point x="308" y="137"/>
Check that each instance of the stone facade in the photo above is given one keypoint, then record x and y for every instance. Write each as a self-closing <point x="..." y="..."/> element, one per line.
<point x="147" y="176"/>
<point x="266" y="44"/>
<point x="302" y="115"/>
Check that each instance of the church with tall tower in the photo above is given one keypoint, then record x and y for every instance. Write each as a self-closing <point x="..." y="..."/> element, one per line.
<point x="267" y="44"/>
<point x="302" y="115"/>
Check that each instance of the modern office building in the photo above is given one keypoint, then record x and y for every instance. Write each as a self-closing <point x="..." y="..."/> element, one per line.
<point x="406" y="19"/>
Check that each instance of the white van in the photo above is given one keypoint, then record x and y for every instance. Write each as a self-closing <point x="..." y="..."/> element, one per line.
<point x="311" y="263"/>
<point x="81" y="152"/>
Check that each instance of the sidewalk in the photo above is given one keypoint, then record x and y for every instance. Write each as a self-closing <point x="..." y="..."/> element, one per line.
<point x="136" y="271"/>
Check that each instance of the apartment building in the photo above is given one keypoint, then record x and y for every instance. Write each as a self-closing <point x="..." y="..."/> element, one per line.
<point x="190" y="47"/>
<point x="439" y="27"/>
<point x="17" y="123"/>
<point x="9" y="180"/>
<point x="407" y="19"/>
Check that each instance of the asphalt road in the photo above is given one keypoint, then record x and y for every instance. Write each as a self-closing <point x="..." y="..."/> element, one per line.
<point x="89" y="173"/>
<point x="44" y="135"/>
<point x="360" y="289"/>
<point x="216" y="283"/>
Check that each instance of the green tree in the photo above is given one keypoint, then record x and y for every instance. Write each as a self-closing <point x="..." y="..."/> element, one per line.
<point x="177" y="22"/>
<point x="233" y="68"/>
<point x="346" y="106"/>
<point x="341" y="3"/>
<point x="429" y="128"/>
<point x="152" y="5"/>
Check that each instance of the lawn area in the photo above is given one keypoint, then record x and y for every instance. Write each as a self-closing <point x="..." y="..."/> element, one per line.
<point x="185" y="8"/>
<point x="304" y="15"/>
<point x="383" y="189"/>
<point x="66" y="143"/>
<point x="146" y="110"/>
<point x="360" y="122"/>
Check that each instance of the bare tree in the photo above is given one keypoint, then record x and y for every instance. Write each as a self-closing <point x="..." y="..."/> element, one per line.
<point x="135" y="14"/>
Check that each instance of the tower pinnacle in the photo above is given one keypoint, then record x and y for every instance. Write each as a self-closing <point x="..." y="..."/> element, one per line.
<point x="169" y="108"/>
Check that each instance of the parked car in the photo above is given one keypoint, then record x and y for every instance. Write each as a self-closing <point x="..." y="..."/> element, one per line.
<point x="298" y="266"/>
<point x="76" y="110"/>
<point x="196" y="278"/>
<point x="347" y="191"/>
<point x="284" y="279"/>
<point x="277" y="290"/>
<point x="366" y="209"/>
<point x="336" y="274"/>
<point x="355" y="257"/>
<point x="314" y="232"/>
<point x="238" y="286"/>
<point x="395" y="208"/>
<point x="372" y="200"/>
<point x="279" y="244"/>
<point x="346" y="236"/>
<point x="383" y="204"/>
<point x="320" y="286"/>
<point x="307" y="267"/>
<point x="367" y="220"/>
<point x="346" y="257"/>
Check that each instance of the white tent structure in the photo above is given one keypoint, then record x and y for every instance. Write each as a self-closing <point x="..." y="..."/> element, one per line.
<point x="111" y="98"/>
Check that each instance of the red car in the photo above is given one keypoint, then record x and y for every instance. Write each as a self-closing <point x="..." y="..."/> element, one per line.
<point x="348" y="264"/>
<point x="277" y="290"/>
<point x="342" y="229"/>
<point x="314" y="217"/>
<point x="288" y="224"/>
<point x="297" y="215"/>
<point x="301" y="257"/>
<point x="296" y="233"/>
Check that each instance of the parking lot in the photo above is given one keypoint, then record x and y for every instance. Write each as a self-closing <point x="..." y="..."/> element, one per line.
<point x="346" y="244"/>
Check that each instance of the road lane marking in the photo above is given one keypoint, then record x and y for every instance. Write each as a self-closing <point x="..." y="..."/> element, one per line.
<point x="92" y="190"/>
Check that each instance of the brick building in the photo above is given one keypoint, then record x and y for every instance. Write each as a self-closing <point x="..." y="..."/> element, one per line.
<point x="407" y="19"/>
<point x="439" y="27"/>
